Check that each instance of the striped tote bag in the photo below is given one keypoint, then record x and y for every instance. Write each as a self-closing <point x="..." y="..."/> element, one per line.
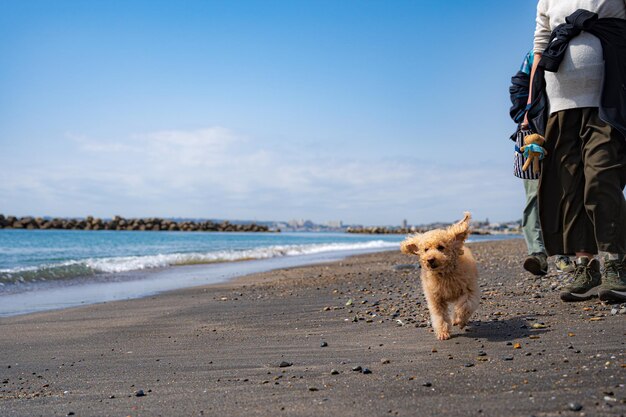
<point x="518" y="158"/>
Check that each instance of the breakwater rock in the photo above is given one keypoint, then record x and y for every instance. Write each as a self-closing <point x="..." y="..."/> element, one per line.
<point x="378" y="230"/>
<point x="121" y="223"/>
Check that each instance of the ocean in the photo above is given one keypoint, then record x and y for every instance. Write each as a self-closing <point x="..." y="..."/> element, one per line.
<point x="49" y="269"/>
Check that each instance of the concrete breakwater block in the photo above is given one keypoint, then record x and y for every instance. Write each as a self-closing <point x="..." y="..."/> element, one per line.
<point x="120" y="223"/>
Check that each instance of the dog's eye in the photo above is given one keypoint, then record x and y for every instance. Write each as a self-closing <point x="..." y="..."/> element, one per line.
<point x="440" y="247"/>
<point x="425" y="249"/>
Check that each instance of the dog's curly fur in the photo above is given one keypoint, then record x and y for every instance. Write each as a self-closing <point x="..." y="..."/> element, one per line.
<point x="449" y="275"/>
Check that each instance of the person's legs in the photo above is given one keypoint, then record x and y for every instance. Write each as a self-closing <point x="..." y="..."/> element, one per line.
<point x="566" y="226"/>
<point x="536" y="261"/>
<point x="578" y="228"/>
<point x="604" y="157"/>
<point x="530" y="220"/>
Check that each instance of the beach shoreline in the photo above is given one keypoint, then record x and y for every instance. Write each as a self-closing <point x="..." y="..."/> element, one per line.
<point x="285" y="342"/>
<point x="44" y="276"/>
<point x="56" y="295"/>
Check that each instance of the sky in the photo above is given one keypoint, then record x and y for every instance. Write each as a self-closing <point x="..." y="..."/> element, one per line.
<point x="368" y="112"/>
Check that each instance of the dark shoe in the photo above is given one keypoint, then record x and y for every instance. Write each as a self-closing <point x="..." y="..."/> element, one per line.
<point x="586" y="277"/>
<point x="564" y="264"/>
<point x="613" y="286"/>
<point x="536" y="263"/>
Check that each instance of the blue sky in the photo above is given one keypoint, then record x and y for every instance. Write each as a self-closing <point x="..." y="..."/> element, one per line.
<point x="365" y="111"/>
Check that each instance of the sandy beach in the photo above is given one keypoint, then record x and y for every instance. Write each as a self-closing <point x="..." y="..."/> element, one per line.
<point x="287" y="342"/>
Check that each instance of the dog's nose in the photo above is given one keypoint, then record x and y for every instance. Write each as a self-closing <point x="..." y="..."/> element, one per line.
<point x="432" y="262"/>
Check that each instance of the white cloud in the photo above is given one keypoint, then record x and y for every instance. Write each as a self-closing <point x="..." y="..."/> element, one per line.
<point x="215" y="172"/>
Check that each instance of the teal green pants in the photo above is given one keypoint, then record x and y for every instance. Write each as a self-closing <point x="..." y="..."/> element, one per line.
<point x="530" y="220"/>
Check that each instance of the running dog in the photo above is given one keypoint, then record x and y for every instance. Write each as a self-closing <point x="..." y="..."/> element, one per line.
<point x="449" y="275"/>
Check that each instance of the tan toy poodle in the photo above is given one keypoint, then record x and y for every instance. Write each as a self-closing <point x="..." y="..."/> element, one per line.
<point x="449" y="275"/>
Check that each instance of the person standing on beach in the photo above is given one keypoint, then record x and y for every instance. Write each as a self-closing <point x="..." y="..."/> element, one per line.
<point x="581" y="201"/>
<point x="536" y="262"/>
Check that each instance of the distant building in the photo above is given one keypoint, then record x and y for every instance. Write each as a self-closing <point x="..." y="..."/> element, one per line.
<point x="404" y="224"/>
<point x="335" y="224"/>
<point x="296" y="223"/>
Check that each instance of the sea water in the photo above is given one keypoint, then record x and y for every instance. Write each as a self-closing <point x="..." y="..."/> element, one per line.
<point x="49" y="269"/>
<point x="31" y="256"/>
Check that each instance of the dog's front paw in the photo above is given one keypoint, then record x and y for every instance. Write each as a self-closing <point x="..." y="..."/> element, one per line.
<point x="443" y="335"/>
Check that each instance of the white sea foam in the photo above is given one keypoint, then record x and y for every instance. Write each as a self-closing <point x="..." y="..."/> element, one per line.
<point x="86" y="267"/>
<point x="131" y="263"/>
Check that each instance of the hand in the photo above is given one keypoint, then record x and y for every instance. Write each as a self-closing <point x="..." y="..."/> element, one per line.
<point x="524" y="125"/>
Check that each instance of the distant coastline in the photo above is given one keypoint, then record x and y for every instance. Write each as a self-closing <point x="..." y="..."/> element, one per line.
<point x="378" y="230"/>
<point x="121" y="223"/>
<point x="222" y="225"/>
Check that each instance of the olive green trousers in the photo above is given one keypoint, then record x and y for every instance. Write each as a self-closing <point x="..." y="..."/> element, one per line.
<point x="581" y="198"/>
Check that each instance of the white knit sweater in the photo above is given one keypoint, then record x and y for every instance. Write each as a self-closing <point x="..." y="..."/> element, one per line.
<point x="578" y="82"/>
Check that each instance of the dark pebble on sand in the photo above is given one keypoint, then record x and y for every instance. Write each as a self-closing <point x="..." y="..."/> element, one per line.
<point x="323" y="344"/>
<point x="284" y="364"/>
<point x="366" y="371"/>
<point x="508" y="358"/>
<point x="139" y="393"/>
<point x="357" y="368"/>
<point x="574" y="406"/>
<point x="406" y="267"/>
<point x="71" y="413"/>
<point x="334" y="372"/>
<point x="482" y="353"/>
<point x="427" y="384"/>
<point x="468" y="365"/>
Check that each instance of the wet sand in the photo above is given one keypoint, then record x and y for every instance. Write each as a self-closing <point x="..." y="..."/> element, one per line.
<point x="218" y="350"/>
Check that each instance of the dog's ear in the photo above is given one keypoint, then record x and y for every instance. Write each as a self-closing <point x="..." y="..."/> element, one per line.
<point x="410" y="246"/>
<point x="460" y="230"/>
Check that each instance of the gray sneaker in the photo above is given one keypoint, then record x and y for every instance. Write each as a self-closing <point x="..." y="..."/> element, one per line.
<point x="613" y="286"/>
<point x="586" y="277"/>
<point x="536" y="263"/>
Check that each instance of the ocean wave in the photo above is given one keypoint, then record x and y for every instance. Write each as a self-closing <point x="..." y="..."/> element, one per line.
<point x="88" y="267"/>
